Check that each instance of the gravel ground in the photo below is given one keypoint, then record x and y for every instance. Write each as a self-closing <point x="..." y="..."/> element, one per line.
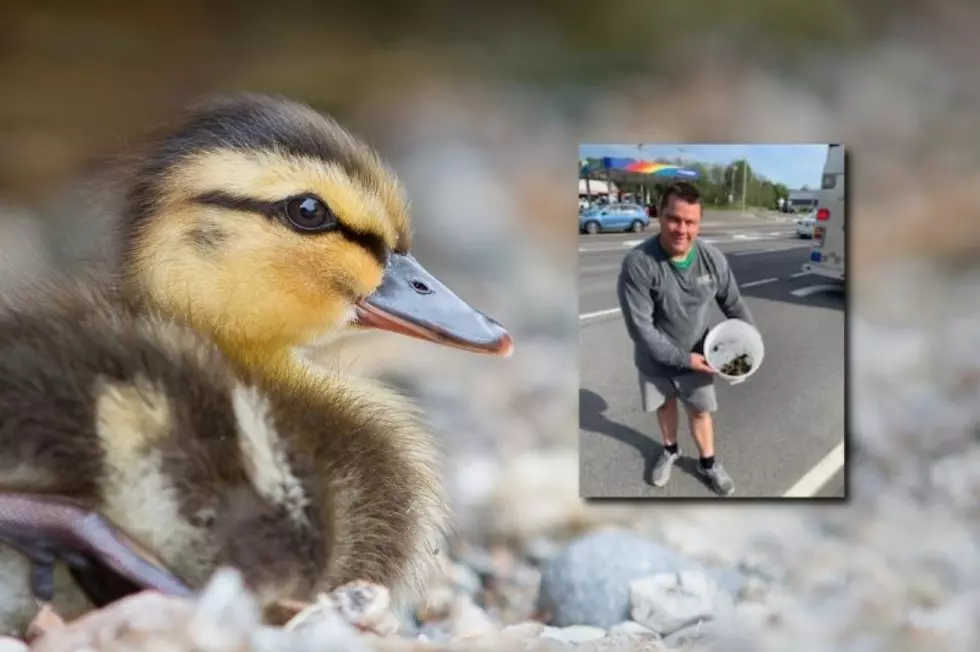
<point x="894" y="570"/>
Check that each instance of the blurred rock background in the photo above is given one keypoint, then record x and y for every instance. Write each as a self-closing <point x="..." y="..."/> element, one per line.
<point x="480" y="107"/>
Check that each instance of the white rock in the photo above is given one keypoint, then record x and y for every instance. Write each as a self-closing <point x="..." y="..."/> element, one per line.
<point x="366" y="606"/>
<point x="669" y="602"/>
<point x="468" y="620"/>
<point x="573" y="633"/>
<point x="9" y="644"/>
<point x="632" y="628"/>
<point x="225" y="613"/>
<point x="322" y="630"/>
<point x="530" y="629"/>
<point x="622" y="642"/>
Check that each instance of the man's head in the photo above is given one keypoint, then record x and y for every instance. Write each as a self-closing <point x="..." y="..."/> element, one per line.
<point x="680" y="218"/>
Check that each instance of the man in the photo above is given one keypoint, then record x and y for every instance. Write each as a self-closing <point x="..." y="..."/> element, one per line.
<point x="665" y="288"/>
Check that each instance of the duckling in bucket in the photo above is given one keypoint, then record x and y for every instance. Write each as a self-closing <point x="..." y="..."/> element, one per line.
<point x="156" y="427"/>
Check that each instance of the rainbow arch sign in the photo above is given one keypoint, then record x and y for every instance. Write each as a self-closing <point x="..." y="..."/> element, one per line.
<point x="650" y="168"/>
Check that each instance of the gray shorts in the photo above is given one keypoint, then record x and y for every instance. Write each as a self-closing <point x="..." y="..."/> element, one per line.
<point x="695" y="390"/>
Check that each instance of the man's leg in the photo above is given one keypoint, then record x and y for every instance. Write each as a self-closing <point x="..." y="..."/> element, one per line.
<point x="703" y="431"/>
<point x="697" y="391"/>
<point x="660" y="396"/>
<point x="667" y="419"/>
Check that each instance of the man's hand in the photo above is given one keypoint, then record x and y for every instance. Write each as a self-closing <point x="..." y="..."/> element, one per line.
<point x="698" y="363"/>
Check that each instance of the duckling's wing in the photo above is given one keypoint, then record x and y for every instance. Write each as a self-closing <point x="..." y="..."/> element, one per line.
<point x="105" y="563"/>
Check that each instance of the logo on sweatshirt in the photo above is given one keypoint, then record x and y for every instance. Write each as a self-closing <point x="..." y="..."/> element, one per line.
<point x="704" y="279"/>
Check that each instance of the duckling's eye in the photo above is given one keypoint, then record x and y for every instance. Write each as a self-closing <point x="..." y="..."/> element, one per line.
<point x="308" y="213"/>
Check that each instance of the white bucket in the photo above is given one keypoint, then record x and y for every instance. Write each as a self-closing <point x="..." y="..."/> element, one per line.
<point x="730" y="339"/>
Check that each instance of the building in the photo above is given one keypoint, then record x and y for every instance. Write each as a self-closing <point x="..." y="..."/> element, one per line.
<point x="596" y="187"/>
<point x="804" y="200"/>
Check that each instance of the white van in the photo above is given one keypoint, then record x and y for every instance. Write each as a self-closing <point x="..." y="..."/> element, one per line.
<point x="828" y="252"/>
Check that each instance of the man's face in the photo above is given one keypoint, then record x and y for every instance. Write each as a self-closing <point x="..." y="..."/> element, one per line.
<point x="680" y="223"/>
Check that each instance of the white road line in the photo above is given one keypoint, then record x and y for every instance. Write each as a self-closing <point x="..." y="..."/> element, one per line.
<point x="762" y="251"/>
<point x="588" y="250"/>
<point x="763" y="281"/>
<point x="599" y="269"/>
<point x="813" y="289"/>
<point x="799" y="274"/>
<point x="818" y="476"/>
<point x="599" y="313"/>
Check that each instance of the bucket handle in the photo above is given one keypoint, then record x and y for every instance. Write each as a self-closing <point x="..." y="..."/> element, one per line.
<point x="736" y="381"/>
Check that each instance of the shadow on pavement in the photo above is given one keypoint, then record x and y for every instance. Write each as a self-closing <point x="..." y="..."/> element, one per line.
<point x="834" y="299"/>
<point x="591" y="417"/>
<point x="688" y="465"/>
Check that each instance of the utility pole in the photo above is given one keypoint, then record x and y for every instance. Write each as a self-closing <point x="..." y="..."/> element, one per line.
<point x="609" y="183"/>
<point x="585" y="171"/>
<point x="745" y="176"/>
<point x="731" y="191"/>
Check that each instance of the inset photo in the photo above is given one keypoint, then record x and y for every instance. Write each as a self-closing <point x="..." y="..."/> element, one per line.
<point x="712" y="301"/>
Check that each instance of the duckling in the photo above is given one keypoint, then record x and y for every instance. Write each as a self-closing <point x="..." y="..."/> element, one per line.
<point x="267" y="198"/>
<point x="157" y="427"/>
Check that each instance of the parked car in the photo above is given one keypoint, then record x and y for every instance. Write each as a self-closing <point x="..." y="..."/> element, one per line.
<point x="613" y="217"/>
<point x="805" y="225"/>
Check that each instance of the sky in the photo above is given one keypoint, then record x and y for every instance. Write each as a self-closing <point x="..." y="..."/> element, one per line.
<point x="795" y="165"/>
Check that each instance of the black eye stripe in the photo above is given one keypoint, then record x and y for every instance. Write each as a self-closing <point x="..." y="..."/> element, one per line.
<point x="231" y="202"/>
<point x="370" y="242"/>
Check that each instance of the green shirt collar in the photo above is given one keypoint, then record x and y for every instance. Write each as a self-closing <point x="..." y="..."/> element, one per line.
<point x="686" y="262"/>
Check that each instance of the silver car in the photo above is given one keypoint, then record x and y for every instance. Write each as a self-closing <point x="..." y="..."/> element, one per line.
<point x="805" y="225"/>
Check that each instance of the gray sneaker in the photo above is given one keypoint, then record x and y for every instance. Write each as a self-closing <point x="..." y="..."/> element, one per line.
<point x="718" y="478"/>
<point x="662" y="467"/>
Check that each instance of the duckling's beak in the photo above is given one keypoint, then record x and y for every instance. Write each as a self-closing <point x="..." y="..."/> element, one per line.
<point x="413" y="302"/>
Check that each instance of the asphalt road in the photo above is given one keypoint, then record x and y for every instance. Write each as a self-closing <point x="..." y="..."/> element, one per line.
<point x="779" y="434"/>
